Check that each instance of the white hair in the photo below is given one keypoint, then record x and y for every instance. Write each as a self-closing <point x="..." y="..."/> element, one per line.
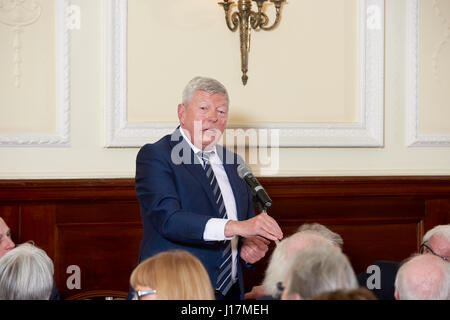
<point x="423" y="277"/>
<point x="26" y="273"/>
<point x="319" y="269"/>
<point x="279" y="261"/>
<point x="205" y="84"/>
<point x="335" y="238"/>
<point x="440" y="230"/>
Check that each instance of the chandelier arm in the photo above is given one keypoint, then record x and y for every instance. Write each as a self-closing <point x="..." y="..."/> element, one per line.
<point x="231" y="20"/>
<point x="235" y="20"/>
<point x="255" y="20"/>
<point x="277" y="18"/>
<point x="256" y="16"/>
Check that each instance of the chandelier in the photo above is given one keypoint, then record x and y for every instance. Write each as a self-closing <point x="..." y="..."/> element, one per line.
<point x="246" y="19"/>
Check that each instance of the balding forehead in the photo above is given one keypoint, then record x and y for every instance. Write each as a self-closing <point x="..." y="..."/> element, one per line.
<point x="440" y="245"/>
<point x="3" y="226"/>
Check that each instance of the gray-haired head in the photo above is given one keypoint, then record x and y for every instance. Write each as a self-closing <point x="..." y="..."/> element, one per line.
<point x="285" y="250"/>
<point x="440" y="230"/>
<point x="335" y="238"/>
<point x="438" y="239"/>
<point x="209" y="85"/>
<point x="319" y="269"/>
<point x="26" y="273"/>
<point x="423" y="277"/>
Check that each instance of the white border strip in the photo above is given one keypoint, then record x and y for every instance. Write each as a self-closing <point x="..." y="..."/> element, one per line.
<point x="61" y="136"/>
<point x="413" y="137"/>
<point x="367" y="132"/>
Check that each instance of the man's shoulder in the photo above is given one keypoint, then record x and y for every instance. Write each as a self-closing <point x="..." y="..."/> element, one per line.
<point x="163" y="143"/>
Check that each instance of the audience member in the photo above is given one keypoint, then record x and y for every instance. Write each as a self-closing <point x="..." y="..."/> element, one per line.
<point x="6" y="242"/>
<point x="435" y="240"/>
<point x="335" y="238"/>
<point x="356" y="294"/>
<point x="26" y="273"/>
<point x="307" y="235"/>
<point x="171" y="275"/>
<point x="423" y="277"/>
<point x="318" y="269"/>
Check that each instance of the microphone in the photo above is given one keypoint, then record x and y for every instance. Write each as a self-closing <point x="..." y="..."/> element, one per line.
<point x="245" y="173"/>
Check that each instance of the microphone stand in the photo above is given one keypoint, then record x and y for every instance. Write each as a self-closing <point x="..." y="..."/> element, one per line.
<point x="263" y="208"/>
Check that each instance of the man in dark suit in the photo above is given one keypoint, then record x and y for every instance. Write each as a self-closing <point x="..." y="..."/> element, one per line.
<point x="192" y="198"/>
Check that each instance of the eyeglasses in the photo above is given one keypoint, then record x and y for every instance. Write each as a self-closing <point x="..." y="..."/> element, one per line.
<point x="139" y="294"/>
<point x="280" y="287"/>
<point x="424" y="248"/>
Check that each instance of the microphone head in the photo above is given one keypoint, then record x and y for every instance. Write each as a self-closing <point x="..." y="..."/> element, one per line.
<point x="243" y="170"/>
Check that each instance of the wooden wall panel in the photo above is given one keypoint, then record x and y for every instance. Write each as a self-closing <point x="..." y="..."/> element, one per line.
<point x="106" y="254"/>
<point x="439" y="212"/>
<point x="96" y="225"/>
<point x="37" y="224"/>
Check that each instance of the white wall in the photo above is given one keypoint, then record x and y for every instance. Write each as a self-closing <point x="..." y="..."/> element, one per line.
<point x="86" y="157"/>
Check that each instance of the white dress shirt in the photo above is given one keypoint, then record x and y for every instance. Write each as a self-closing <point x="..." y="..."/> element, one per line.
<point x="215" y="227"/>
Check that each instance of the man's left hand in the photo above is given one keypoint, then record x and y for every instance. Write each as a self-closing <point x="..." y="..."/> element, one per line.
<point x="254" y="249"/>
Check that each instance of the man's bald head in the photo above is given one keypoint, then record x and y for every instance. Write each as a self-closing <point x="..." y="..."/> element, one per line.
<point x="423" y="277"/>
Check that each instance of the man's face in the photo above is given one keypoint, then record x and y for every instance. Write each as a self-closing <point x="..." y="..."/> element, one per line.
<point x="6" y="242"/>
<point x="205" y="118"/>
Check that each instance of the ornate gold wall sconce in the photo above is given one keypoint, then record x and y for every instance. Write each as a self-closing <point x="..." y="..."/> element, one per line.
<point x="245" y="19"/>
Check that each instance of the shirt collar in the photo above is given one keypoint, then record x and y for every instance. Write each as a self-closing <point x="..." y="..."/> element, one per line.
<point x="194" y="148"/>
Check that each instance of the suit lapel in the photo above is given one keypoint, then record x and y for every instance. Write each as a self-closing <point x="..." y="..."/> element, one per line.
<point x="191" y="163"/>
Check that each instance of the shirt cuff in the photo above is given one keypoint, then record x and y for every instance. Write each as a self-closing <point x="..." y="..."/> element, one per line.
<point x="215" y="230"/>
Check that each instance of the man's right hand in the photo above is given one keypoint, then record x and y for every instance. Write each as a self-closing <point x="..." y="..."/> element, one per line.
<point x="260" y="225"/>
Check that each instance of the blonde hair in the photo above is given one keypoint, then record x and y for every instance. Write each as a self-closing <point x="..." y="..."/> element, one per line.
<point x="176" y="275"/>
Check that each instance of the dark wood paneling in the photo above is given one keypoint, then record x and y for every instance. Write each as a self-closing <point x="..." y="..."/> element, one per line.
<point x="106" y="254"/>
<point x="95" y="223"/>
<point x="439" y="210"/>
<point x="348" y="209"/>
<point x="98" y="211"/>
<point x="106" y="235"/>
<point x="38" y="225"/>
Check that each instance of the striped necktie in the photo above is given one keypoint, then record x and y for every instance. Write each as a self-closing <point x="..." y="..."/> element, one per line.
<point x="224" y="281"/>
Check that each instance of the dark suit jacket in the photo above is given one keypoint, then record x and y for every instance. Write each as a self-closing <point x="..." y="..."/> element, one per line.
<point x="388" y="270"/>
<point x="176" y="201"/>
